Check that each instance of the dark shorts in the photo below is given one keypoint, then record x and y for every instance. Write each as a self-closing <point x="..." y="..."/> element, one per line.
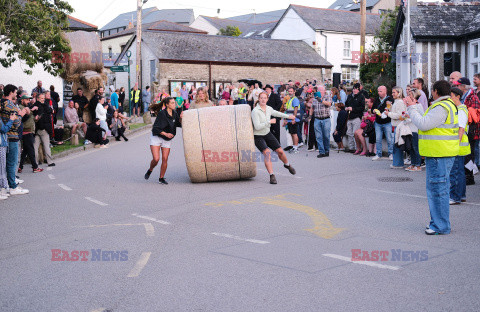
<point x="262" y="142"/>
<point x="135" y="105"/>
<point x="293" y="128"/>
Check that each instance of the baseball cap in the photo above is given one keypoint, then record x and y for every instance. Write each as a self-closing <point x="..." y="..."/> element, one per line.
<point x="25" y="97"/>
<point x="464" y="81"/>
<point x="456" y="91"/>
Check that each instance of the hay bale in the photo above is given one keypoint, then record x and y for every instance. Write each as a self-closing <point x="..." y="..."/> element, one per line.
<point x="81" y="43"/>
<point x="93" y="80"/>
<point x="214" y="140"/>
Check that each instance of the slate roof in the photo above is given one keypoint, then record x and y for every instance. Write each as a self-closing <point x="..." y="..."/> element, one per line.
<point x="76" y="24"/>
<point x="259" y="30"/>
<point x="444" y="21"/>
<point x="230" y="50"/>
<point x="223" y="23"/>
<point x="259" y="18"/>
<point x="151" y="15"/>
<point x="343" y="5"/>
<point x="336" y="20"/>
<point x="157" y="26"/>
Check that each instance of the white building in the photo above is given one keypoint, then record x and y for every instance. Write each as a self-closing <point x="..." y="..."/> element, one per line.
<point x="436" y="29"/>
<point x="334" y="34"/>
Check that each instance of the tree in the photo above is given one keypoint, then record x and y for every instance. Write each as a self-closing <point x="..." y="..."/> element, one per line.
<point x="378" y="67"/>
<point x="232" y="31"/>
<point x="31" y="30"/>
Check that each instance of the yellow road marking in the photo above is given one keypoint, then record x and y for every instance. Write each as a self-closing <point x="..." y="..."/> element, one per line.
<point x="148" y="227"/>
<point x="140" y="264"/>
<point x="323" y="227"/>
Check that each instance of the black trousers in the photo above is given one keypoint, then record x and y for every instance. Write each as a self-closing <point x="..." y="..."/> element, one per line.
<point x="469" y="174"/>
<point x="120" y="133"/>
<point x="312" y="140"/>
<point x="275" y="129"/>
<point x="28" y="141"/>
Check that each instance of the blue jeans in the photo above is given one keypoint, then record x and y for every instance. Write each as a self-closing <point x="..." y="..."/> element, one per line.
<point x="299" y="131"/>
<point x="322" y="134"/>
<point x="477" y="157"/>
<point x="242" y="101"/>
<point x="145" y="107"/>
<point x="397" y="154"/>
<point x="438" y="192"/>
<point x="379" y="131"/>
<point x="415" y="157"/>
<point x="458" y="183"/>
<point x="12" y="163"/>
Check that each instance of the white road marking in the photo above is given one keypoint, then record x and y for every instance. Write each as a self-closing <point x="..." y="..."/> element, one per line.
<point x="149" y="229"/>
<point x="140" y="264"/>
<point x="49" y="168"/>
<point x="416" y="196"/>
<point x="51" y="176"/>
<point x="283" y="174"/>
<point x="96" y="201"/>
<point x="255" y="241"/>
<point x="66" y="188"/>
<point x="99" y="310"/>
<point x="369" y="263"/>
<point x="150" y="219"/>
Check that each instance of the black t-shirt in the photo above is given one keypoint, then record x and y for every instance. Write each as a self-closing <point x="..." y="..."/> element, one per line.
<point x="166" y="123"/>
<point x="81" y="100"/>
<point x="377" y="104"/>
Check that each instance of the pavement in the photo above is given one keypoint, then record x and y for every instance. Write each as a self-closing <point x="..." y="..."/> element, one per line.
<point x="232" y="246"/>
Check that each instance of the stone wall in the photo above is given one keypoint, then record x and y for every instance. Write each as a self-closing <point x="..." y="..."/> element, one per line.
<point x="200" y="72"/>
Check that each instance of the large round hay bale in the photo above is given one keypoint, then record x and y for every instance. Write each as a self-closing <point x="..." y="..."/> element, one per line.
<point x="83" y="43"/>
<point x="218" y="143"/>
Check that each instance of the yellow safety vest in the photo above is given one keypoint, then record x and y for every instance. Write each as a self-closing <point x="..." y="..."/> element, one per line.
<point x="464" y="144"/>
<point x="443" y="140"/>
<point x="289" y="105"/>
<point x="241" y="93"/>
<point x="137" y="96"/>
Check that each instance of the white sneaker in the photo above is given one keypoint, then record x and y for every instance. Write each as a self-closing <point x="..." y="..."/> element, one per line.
<point x="390" y="157"/>
<point x="4" y="192"/>
<point x="18" y="191"/>
<point x="3" y="197"/>
<point x="375" y="158"/>
<point x="19" y="181"/>
<point x="452" y="202"/>
<point x="407" y="161"/>
<point x="103" y="146"/>
<point x="301" y="144"/>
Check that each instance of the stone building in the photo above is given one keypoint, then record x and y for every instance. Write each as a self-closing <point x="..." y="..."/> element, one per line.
<point x="436" y="29"/>
<point x="172" y="59"/>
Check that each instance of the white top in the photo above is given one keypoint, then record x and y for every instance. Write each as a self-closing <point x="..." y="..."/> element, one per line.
<point x="256" y="93"/>
<point x="261" y="119"/>
<point x="462" y="119"/>
<point x="396" y="111"/>
<point x="101" y="112"/>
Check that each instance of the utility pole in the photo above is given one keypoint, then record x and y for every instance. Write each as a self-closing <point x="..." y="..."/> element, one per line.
<point x="408" y="44"/>
<point x="363" y="28"/>
<point x="139" y="43"/>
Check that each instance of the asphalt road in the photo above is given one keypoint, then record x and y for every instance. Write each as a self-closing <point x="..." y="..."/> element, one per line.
<point x="233" y="246"/>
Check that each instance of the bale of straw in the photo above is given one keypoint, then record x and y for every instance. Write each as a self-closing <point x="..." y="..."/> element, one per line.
<point x="86" y="53"/>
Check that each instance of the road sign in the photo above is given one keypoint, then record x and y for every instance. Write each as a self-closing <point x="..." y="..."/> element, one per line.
<point x="121" y="68"/>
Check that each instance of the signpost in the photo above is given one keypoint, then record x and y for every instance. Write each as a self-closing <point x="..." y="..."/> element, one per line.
<point x="119" y="69"/>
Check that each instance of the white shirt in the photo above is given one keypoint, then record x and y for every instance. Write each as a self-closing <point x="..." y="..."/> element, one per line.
<point x="101" y="112"/>
<point x="462" y="119"/>
<point x="256" y="93"/>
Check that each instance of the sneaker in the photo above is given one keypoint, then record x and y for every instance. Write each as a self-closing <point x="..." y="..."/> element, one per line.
<point x="273" y="180"/>
<point x="301" y="144"/>
<point x="409" y="168"/>
<point x="407" y="161"/>
<point x="290" y="169"/>
<point x="429" y="231"/>
<point x="147" y="175"/>
<point x="37" y="170"/>
<point x="294" y="151"/>
<point x="288" y="148"/>
<point x="422" y="164"/>
<point x="375" y="158"/>
<point x="162" y="181"/>
<point x="452" y="202"/>
<point x="19" y="181"/>
<point x="321" y="155"/>
<point x="396" y="167"/>
<point x="87" y="142"/>
<point x="463" y="200"/>
<point x="4" y="192"/>
<point x="311" y="150"/>
<point x="18" y="191"/>
<point x="126" y="140"/>
<point x="52" y="165"/>
<point x="117" y="139"/>
<point x="390" y="157"/>
<point x="415" y="169"/>
<point x="3" y="197"/>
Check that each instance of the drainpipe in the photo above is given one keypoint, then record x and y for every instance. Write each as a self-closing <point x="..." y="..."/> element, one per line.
<point x="321" y="33"/>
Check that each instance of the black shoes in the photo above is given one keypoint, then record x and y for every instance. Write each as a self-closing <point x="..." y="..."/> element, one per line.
<point x="273" y="180"/>
<point x="147" y="175"/>
<point x="52" y="165"/>
<point x="288" y="148"/>
<point x="327" y="154"/>
<point x="117" y="139"/>
<point x="162" y="181"/>
<point x="290" y="169"/>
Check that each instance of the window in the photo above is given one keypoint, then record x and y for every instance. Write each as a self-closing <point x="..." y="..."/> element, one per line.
<point x="264" y="32"/>
<point x="475" y="51"/>
<point x="347" y="49"/>
<point x="348" y="5"/>
<point x="338" y="7"/>
<point x="474" y="58"/>
<point x="249" y="34"/>
<point x="349" y="74"/>
<point x="110" y="53"/>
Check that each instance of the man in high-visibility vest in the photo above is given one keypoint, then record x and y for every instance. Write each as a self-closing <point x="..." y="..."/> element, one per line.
<point x="291" y="108"/>
<point x="135" y="100"/>
<point x="242" y="94"/>
<point x="458" y="182"/>
<point x="438" y="141"/>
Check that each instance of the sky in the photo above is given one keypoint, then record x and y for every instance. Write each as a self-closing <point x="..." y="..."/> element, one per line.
<point x="100" y="12"/>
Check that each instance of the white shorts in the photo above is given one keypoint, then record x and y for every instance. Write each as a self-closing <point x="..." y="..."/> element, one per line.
<point x="158" y="141"/>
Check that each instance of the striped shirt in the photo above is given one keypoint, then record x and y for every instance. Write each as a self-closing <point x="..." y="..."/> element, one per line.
<point x="320" y="110"/>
